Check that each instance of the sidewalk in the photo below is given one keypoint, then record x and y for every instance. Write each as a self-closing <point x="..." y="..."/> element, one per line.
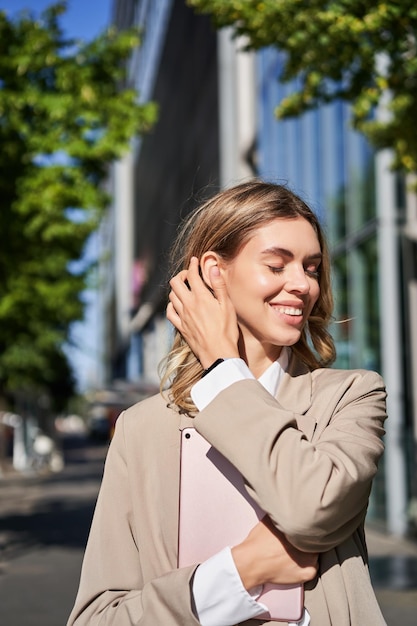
<point x="393" y="566"/>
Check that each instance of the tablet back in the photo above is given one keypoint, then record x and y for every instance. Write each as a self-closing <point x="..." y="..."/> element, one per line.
<point x="216" y="511"/>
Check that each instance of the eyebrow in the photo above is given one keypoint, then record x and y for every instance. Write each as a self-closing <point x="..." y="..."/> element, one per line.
<point x="277" y="251"/>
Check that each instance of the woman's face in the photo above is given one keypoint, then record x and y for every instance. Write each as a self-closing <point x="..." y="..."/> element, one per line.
<point x="273" y="284"/>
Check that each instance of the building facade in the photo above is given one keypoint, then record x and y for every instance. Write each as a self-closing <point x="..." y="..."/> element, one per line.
<point x="217" y="127"/>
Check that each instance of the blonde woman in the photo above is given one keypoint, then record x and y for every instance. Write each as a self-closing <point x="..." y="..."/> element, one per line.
<point x="251" y="302"/>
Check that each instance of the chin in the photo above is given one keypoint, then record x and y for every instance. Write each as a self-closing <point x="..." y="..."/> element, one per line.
<point x="291" y="341"/>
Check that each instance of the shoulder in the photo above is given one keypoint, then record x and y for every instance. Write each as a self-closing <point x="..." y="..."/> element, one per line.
<point x="335" y="376"/>
<point x="358" y="382"/>
<point x="330" y="377"/>
<point x="148" y="415"/>
<point x="156" y="403"/>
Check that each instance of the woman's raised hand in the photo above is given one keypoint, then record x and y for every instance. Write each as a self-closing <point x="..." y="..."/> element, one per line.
<point x="206" y="320"/>
<point x="266" y="556"/>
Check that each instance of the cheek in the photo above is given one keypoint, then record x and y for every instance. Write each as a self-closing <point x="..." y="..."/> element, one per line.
<point x="252" y="284"/>
<point x="266" y="281"/>
<point x="244" y="281"/>
<point x="239" y="279"/>
<point x="315" y="293"/>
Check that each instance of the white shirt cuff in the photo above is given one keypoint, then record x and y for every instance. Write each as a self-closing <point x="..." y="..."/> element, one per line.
<point x="219" y="596"/>
<point x="221" y="377"/>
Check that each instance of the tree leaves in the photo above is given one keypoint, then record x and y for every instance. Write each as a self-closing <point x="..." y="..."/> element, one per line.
<point x="66" y="112"/>
<point x="334" y="49"/>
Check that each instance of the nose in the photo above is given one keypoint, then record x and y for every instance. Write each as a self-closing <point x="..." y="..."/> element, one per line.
<point x="297" y="280"/>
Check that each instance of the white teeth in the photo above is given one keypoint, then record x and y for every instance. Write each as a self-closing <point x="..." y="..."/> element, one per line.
<point x="288" y="310"/>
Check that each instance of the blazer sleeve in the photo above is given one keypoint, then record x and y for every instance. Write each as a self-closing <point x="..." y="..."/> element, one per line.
<point x="315" y="492"/>
<point x="111" y="591"/>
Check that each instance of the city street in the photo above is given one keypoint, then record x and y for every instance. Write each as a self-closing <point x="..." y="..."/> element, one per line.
<point x="44" y="523"/>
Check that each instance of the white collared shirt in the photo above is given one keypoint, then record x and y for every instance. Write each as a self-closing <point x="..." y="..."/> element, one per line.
<point x="219" y="595"/>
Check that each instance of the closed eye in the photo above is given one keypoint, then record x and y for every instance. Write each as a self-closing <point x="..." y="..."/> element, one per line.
<point x="314" y="273"/>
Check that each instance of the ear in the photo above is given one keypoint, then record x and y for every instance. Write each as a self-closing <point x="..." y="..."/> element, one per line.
<point x="207" y="261"/>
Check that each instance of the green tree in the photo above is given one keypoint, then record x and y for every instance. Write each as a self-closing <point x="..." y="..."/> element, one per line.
<point x="66" y="112"/>
<point x="356" y="50"/>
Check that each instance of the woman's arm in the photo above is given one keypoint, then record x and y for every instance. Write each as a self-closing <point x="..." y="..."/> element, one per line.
<point x="316" y="492"/>
<point x="112" y="592"/>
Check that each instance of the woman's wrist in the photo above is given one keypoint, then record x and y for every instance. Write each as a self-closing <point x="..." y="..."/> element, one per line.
<point x="208" y="359"/>
<point x="212" y="366"/>
<point x="246" y="567"/>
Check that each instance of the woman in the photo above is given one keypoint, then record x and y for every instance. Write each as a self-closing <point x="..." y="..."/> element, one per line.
<point x="250" y="302"/>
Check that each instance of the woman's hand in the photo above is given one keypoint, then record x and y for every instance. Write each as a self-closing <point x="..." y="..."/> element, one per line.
<point x="206" y="320"/>
<point x="265" y="556"/>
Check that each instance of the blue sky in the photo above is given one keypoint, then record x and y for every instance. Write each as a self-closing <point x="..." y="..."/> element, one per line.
<point x="84" y="19"/>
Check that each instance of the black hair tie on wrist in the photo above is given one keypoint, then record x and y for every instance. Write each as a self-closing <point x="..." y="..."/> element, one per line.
<point x="212" y="366"/>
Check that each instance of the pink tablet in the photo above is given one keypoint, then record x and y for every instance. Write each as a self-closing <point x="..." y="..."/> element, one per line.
<point x="216" y="511"/>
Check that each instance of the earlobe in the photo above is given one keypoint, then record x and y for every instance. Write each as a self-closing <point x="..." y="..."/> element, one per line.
<point x="207" y="261"/>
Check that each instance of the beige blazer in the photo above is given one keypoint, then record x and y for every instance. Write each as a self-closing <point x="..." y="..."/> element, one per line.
<point x="308" y="457"/>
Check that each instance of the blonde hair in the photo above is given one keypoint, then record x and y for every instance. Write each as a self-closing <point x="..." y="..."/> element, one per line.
<point x="224" y="224"/>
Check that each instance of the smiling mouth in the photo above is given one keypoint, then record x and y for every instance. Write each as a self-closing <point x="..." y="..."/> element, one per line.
<point x="289" y="310"/>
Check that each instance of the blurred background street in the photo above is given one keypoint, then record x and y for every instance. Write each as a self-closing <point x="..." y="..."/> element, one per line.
<point x="44" y="523"/>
